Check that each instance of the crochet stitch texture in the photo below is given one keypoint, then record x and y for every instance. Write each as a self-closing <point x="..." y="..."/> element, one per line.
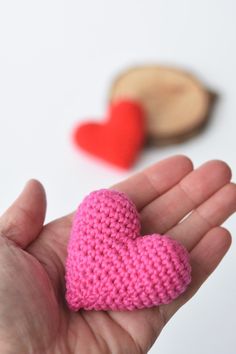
<point x="110" y="266"/>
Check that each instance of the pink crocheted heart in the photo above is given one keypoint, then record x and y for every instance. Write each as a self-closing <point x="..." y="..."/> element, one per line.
<point x="111" y="267"/>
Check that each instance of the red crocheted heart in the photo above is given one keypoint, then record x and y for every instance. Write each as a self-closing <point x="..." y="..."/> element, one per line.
<point x="111" y="267"/>
<point x="119" y="139"/>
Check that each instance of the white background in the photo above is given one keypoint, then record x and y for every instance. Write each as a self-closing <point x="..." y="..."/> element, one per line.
<point x="57" y="62"/>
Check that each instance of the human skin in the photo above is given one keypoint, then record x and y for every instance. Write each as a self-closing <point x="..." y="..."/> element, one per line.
<point x="34" y="317"/>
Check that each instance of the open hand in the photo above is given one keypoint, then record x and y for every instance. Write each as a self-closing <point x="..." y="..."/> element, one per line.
<point x="189" y="205"/>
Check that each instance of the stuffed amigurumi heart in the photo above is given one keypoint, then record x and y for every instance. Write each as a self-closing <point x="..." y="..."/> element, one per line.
<point x="119" y="139"/>
<point x="110" y="266"/>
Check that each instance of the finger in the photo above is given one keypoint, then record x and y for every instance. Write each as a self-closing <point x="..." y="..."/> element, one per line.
<point x="22" y="222"/>
<point x="167" y="210"/>
<point x="149" y="184"/>
<point x="208" y="215"/>
<point x="205" y="257"/>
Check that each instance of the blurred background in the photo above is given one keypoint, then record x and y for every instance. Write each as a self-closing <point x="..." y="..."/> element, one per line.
<point x="57" y="62"/>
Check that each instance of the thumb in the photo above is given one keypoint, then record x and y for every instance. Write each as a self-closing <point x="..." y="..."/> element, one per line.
<point x="22" y="222"/>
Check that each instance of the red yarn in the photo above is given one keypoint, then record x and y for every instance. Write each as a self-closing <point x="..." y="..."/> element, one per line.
<point x="119" y="139"/>
<point x="111" y="267"/>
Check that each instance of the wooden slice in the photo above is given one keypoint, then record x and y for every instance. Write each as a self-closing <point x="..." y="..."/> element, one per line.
<point x="175" y="102"/>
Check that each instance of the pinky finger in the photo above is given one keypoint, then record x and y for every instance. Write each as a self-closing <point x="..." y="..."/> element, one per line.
<point x="205" y="257"/>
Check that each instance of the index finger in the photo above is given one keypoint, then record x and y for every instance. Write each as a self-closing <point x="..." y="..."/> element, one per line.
<point x="155" y="180"/>
<point x="145" y="186"/>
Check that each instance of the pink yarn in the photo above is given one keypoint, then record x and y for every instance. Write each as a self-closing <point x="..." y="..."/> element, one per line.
<point x="111" y="267"/>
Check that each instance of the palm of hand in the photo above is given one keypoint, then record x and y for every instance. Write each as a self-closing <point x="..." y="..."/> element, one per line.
<point x="163" y="197"/>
